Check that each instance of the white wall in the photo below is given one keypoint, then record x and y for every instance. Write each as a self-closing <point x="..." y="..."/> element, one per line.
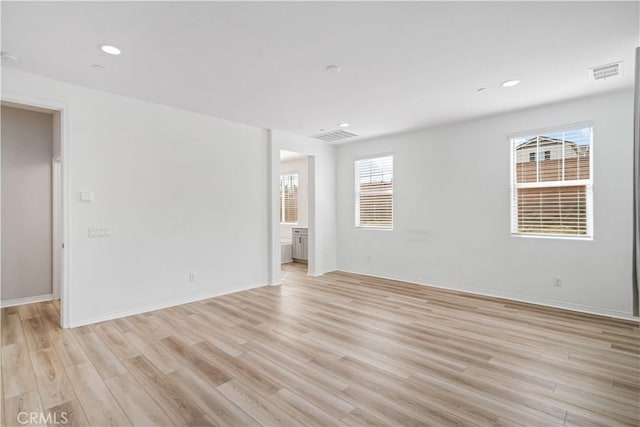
<point x="299" y="166"/>
<point x="322" y="197"/>
<point x="452" y="211"/>
<point x="27" y="147"/>
<point x="180" y="192"/>
<point x="162" y="183"/>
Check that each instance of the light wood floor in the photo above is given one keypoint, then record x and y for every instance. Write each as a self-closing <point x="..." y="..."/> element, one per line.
<point x="336" y="350"/>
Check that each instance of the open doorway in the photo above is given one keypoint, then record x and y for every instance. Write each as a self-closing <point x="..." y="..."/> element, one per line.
<point x="294" y="211"/>
<point x="32" y="205"/>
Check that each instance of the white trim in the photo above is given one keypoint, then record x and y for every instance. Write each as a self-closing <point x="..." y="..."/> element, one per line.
<point x="65" y="156"/>
<point x="551" y="129"/>
<point x="552" y="236"/>
<point x="273" y="249"/>
<point x="273" y="181"/>
<point x="26" y="300"/>
<point x="590" y="212"/>
<point x="154" y="307"/>
<point x="356" y="180"/>
<point x="376" y="228"/>
<point x="547" y="184"/>
<point x="580" y="308"/>
<point x="56" y="237"/>
<point x="587" y="183"/>
<point x="282" y="203"/>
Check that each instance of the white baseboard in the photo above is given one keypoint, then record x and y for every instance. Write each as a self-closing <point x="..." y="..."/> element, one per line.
<point x="153" y="307"/>
<point x="26" y="300"/>
<point x="514" y="297"/>
<point x="538" y="301"/>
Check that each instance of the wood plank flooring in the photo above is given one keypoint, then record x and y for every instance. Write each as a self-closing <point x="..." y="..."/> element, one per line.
<point x="341" y="349"/>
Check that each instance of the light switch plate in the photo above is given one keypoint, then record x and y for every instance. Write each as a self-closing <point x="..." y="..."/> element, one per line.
<point x="86" y="196"/>
<point x="95" y="233"/>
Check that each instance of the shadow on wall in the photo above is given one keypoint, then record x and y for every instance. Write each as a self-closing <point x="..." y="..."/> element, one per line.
<point x="27" y="225"/>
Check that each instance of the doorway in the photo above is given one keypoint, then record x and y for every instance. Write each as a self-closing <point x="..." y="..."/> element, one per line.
<point x="32" y="204"/>
<point x="294" y="211"/>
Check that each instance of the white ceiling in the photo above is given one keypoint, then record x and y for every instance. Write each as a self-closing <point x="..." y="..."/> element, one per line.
<point x="404" y="65"/>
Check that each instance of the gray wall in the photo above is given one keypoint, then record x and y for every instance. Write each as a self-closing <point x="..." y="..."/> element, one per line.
<point x="27" y="148"/>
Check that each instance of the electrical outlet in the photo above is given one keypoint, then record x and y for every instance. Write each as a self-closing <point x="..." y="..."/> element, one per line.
<point x="557" y="282"/>
<point x="192" y="277"/>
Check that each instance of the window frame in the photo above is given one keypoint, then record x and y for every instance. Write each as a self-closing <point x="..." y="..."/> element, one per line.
<point x="282" y="205"/>
<point x="357" y="225"/>
<point x="588" y="183"/>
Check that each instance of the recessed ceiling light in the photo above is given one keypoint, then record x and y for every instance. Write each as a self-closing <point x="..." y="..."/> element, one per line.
<point x="111" y="50"/>
<point x="97" y="67"/>
<point x="333" y="69"/>
<point x="6" y="56"/>
<point x="344" y="125"/>
<point x="510" y="83"/>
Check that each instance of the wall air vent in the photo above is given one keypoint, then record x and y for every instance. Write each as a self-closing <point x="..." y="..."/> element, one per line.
<point x="603" y="72"/>
<point x="334" y="135"/>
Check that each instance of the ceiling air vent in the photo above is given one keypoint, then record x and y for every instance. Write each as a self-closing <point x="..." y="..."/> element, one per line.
<point x="602" y="72"/>
<point x="334" y="135"/>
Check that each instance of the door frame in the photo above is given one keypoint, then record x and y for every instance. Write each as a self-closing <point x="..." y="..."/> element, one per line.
<point x="56" y="226"/>
<point x="62" y="110"/>
<point x="273" y="189"/>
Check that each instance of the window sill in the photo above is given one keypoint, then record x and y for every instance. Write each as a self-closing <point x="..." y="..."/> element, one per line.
<point x="551" y="236"/>
<point x="374" y="228"/>
<point x="288" y="223"/>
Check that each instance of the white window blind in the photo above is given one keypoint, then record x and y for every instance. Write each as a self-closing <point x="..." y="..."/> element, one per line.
<point x="289" y="198"/>
<point x="552" y="183"/>
<point x="374" y="192"/>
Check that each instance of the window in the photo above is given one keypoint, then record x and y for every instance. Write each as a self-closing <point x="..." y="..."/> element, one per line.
<point x="545" y="156"/>
<point x="374" y="192"/>
<point x="289" y="198"/>
<point x="553" y="196"/>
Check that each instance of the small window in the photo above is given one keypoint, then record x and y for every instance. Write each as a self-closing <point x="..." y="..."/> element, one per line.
<point x="553" y="196"/>
<point x="374" y="192"/>
<point x="289" y="198"/>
